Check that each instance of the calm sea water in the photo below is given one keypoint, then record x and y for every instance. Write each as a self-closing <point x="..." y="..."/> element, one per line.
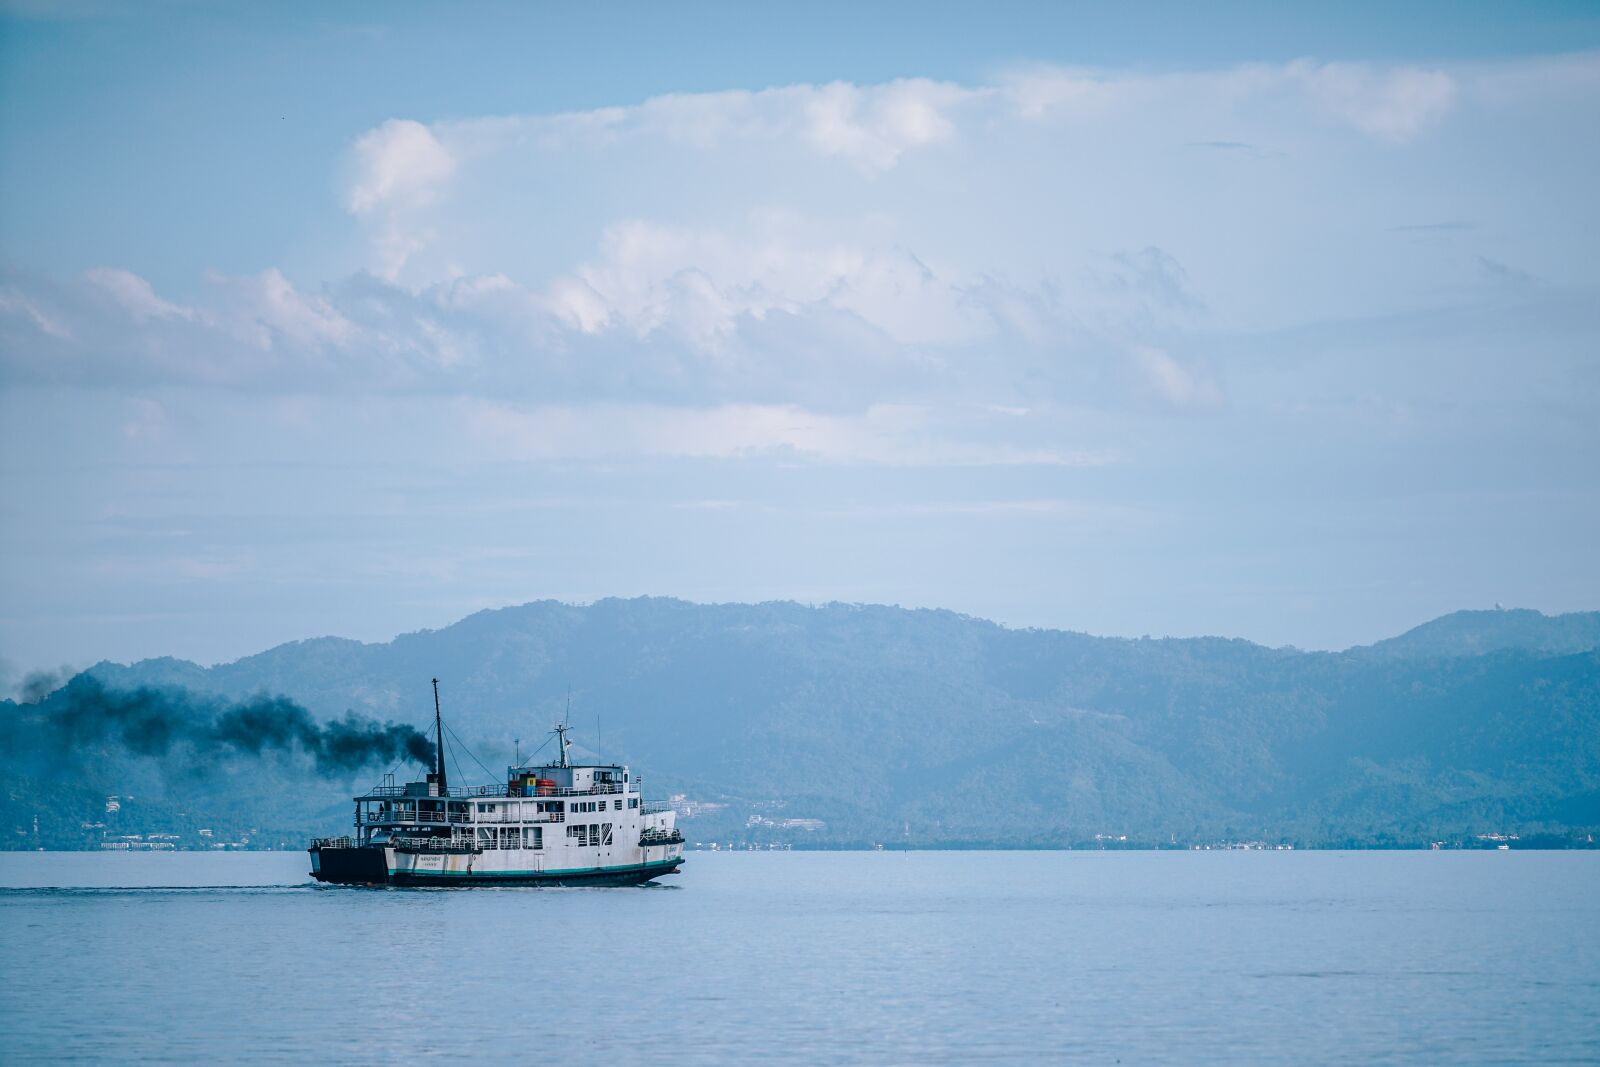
<point x="882" y="958"/>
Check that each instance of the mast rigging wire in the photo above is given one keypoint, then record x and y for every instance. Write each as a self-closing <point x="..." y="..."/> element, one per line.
<point x="463" y="747"/>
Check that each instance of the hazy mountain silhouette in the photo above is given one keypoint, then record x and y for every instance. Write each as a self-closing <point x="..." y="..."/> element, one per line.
<point x="1471" y="633"/>
<point x="888" y="724"/>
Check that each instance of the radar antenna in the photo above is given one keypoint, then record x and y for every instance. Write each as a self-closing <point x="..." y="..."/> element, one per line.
<point x="561" y="732"/>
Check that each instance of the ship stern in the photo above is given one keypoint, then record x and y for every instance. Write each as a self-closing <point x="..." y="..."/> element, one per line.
<point x="345" y="864"/>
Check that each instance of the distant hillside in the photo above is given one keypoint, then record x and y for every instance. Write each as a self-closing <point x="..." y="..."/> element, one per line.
<point x="933" y="728"/>
<point x="1472" y="633"/>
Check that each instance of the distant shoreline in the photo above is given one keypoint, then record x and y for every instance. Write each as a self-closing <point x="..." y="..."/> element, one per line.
<point x="948" y="847"/>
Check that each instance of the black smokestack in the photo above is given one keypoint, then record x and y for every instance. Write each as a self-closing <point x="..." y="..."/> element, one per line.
<point x="153" y="721"/>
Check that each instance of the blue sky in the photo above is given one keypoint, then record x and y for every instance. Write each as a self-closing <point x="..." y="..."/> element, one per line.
<point x="1253" y="321"/>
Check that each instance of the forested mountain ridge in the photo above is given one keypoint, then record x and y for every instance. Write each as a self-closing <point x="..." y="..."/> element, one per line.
<point x="1472" y="633"/>
<point x="928" y="727"/>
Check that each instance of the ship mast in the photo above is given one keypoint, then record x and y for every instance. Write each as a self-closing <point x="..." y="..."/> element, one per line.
<point x="561" y="730"/>
<point x="561" y="734"/>
<point x="438" y="729"/>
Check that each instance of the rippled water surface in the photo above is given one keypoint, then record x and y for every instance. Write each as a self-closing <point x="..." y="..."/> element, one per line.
<point x="883" y="958"/>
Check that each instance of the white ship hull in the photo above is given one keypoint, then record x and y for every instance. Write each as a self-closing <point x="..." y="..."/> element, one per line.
<point x="374" y="865"/>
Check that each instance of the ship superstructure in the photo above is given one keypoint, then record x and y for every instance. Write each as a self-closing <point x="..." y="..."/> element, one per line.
<point x="556" y="823"/>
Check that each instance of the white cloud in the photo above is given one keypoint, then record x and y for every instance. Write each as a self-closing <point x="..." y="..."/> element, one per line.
<point x="870" y="127"/>
<point x="1076" y="510"/>
<point x="873" y="127"/>
<point x="398" y="164"/>
<point x="1393" y="104"/>
<point x="834" y="148"/>
<point x="135" y="295"/>
<point x="399" y="168"/>
<point x="1178" y="386"/>
<point x="838" y="246"/>
<point x="697" y="285"/>
<point x="393" y="245"/>
<point x="883" y="435"/>
<point x="272" y="313"/>
<point x="1047" y="91"/>
<point x="17" y="304"/>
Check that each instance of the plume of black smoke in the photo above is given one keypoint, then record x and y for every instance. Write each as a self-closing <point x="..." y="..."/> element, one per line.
<point x="152" y="722"/>
<point x="36" y="685"/>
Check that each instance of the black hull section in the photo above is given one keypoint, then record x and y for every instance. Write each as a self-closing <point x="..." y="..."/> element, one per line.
<point x="351" y="866"/>
<point x="369" y="867"/>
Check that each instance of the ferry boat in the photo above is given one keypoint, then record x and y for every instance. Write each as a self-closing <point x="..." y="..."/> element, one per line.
<point x="556" y="824"/>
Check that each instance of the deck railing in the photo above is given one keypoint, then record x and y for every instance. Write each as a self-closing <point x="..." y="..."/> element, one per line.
<point x="598" y="789"/>
<point x="386" y="792"/>
<point x="418" y="818"/>
<point x="440" y="844"/>
<point x="439" y="818"/>
<point x="332" y="842"/>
